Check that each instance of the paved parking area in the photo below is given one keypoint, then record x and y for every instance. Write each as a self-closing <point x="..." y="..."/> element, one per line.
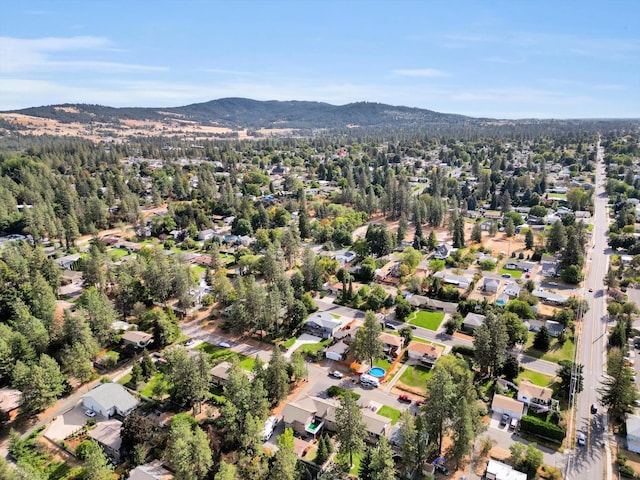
<point x="67" y="423"/>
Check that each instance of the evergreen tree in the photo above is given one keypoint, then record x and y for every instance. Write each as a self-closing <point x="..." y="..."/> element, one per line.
<point x="557" y="239"/>
<point x="432" y="241"/>
<point x="476" y="233"/>
<point x="458" y="232"/>
<point x="352" y="428"/>
<point x="403" y="225"/>
<point x="528" y="239"/>
<point x="284" y="465"/>
<point x="367" y="344"/>
<point x="276" y="376"/>
<point x="366" y="470"/>
<point x="542" y="340"/>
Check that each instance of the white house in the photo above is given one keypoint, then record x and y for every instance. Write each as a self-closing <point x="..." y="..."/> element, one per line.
<point x="110" y="399"/>
<point x="503" y="404"/>
<point x="529" y="393"/>
<point x="443" y="251"/>
<point x="491" y="285"/>
<point x="322" y="324"/>
<point x="452" y="279"/>
<point x="150" y="471"/>
<point x="501" y="471"/>
<point x="337" y="351"/>
<point x="512" y="289"/>
<point x="633" y="433"/>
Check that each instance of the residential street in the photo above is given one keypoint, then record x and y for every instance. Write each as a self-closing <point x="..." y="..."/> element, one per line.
<point x="589" y="461"/>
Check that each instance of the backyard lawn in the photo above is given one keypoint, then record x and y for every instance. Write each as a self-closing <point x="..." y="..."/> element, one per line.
<point x="536" y="378"/>
<point x="513" y="273"/>
<point x="556" y="351"/>
<point x="219" y="354"/>
<point x="416" y="376"/>
<point x="424" y="319"/>
<point x="147" y="391"/>
<point x="199" y="269"/>
<point x="117" y="253"/>
<point x="390" y="412"/>
<point x="313" y="348"/>
<point x="288" y="343"/>
<point x="382" y="363"/>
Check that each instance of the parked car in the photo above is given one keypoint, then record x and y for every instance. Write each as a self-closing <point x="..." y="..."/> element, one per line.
<point x="390" y="326"/>
<point x="504" y="420"/>
<point x="190" y="343"/>
<point x="90" y="413"/>
<point x="224" y="345"/>
<point x="442" y="469"/>
<point x="590" y="289"/>
<point x="513" y="424"/>
<point x="594" y="409"/>
<point x="582" y="439"/>
<point x="405" y="398"/>
<point x="506" y="275"/>
<point x="336" y="374"/>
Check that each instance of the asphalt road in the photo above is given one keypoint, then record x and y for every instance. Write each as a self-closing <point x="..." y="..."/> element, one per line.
<point x="588" y="461"/>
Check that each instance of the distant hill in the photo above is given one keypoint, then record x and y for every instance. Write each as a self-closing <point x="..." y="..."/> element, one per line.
<point x="245" y="113"/>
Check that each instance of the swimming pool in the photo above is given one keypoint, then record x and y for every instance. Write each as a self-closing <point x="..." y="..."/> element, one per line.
<point x="377" y="372"/>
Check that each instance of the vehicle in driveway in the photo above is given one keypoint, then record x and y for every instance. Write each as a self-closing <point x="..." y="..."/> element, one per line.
<point x="513" y="424"/>
<point x="269" y="427"/>
<point x="224" y="345"/>
<point x="369" y="381"/>
<point x="336" y="374"/>
<point x="504" y="420"/>
<point x="390" y="326"/>
<point x="90" y="413"/>
<point x="405" y="399"/>
<point x="190" y="343"/>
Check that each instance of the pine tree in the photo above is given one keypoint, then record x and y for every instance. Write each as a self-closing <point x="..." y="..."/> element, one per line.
<point x="528" y="239"/>
<point x="366" y="471"/>
<point x="476" y="233"/>
<point x="458" y="232"/>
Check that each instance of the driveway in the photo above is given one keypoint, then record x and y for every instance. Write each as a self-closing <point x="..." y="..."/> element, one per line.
<point x="303" y="339"/>
<point x="68" y="423"/>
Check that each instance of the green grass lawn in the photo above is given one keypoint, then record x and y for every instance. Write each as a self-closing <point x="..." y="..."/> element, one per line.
<point x="424" y="319"/>
<point x="357" y="457"/>
<point x="117" y="253"/>
<point x="536" y="378"/>
<point x="288" y="343"/>
<point x="390" y="412"/>
<point x="416" y="376"/>
<point x="513" y="273"/>
<point x="124" y="380"/>
<point x="313" y="348"/>
<point x="226" y="258"/>
<point x="556" y="351"/>
<point x="147" y="391"/>
<point x="557" y="196"/>
<point x="219" y="354"/>
<point x="382" y="363"/>
<point x="199" y="269"/>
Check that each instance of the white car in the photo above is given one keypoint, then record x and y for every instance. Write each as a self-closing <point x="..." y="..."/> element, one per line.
<point x="190" y="343"/>
<point x="90" y="413"/>
<point x="582" y="439"/>
<point x="224" y="345"/>
<point x="336" y="374"/>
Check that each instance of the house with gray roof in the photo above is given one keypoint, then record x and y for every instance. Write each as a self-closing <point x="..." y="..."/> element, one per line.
<point x="473" y="321"/>
<point x="109" y="399"/>
<point x="322" y="324"/>
<point x="107" y="434"/>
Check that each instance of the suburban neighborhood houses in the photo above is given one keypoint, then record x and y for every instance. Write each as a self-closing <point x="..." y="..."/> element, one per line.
<point x="253" y="304"/>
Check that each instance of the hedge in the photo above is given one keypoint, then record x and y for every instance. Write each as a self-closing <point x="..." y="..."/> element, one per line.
<point x="541" y="428"/>
<point x="463" y="350"/>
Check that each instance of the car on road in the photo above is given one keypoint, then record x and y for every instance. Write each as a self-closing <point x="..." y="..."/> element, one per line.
<point x="336" y="374"/>
<point x="190" y="343"/>
<point x="594" y="409"/>
<point x="224" y="345"/>
<point x="582" y="439"/>
<point x="636" y="403"/>
<point x="504" y="420"/>
<point x="405" y="399"/>
<point x="390" y="326"/>
<point x="413" y="327"/>
<point x="590" y="289"/>
<point x="506" y="275"/>
<point x="90" y="413"/>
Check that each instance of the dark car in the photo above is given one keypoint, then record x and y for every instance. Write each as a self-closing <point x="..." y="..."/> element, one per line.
<point x="594" y="409"/>
<point x="504" y="420"/>
<point x="442" y="469"/>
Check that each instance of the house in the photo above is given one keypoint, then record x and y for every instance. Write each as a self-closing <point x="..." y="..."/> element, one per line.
<point x="472" y="321"/>
<point x="503" y="404"/>
<point x="388" y="273"/>
<point x="392" y="343"/>
<point x="10" y="400"/>
<point x="550" y="266"/>
<point x="420" y="301"/>
<point x="71" y="277"/>
<point x="501" y="471"/>
<point x="136" y="338"/>
<point x="493" y="214"/>
<point x="452" y="279"/>
<point x="485" y="226"/>
<point x="443" y="251"/>
<point x="107" y="434"/>
<point x="528" y="393"/>
<point x="345" y="258"/>
<point x="309" y="415"/>
<point x="376" y="425"/>
<point x="633" y="433"/>
<point x="68" y="261"/>
<point x="206" y="234"/>
<point x="150" y="471"/>
<point x="512" y="289"/>
<point x="426" y="353"/>
<point x="110" y="399"/>
<point x="522" y="266"/>
<point x="491" y="285"/>
<point x="337" y="351"/>
<point x="322" y="324"/>
<point x="220" y="373"/>
<point x="550" y="298"/>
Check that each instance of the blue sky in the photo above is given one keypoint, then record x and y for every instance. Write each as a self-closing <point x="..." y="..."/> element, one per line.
<point x="505" y="59"/>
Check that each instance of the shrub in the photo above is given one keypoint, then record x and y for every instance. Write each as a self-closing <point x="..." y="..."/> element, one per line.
<point x="626" y="471"/>
<point x="464" y="350"/>
<point x="541" y="428"/>
<point x="336" y="391"/>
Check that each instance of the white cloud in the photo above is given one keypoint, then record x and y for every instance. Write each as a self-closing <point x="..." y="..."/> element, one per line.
<point x="420" y="72"/>
<point x="43" y="55"/>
